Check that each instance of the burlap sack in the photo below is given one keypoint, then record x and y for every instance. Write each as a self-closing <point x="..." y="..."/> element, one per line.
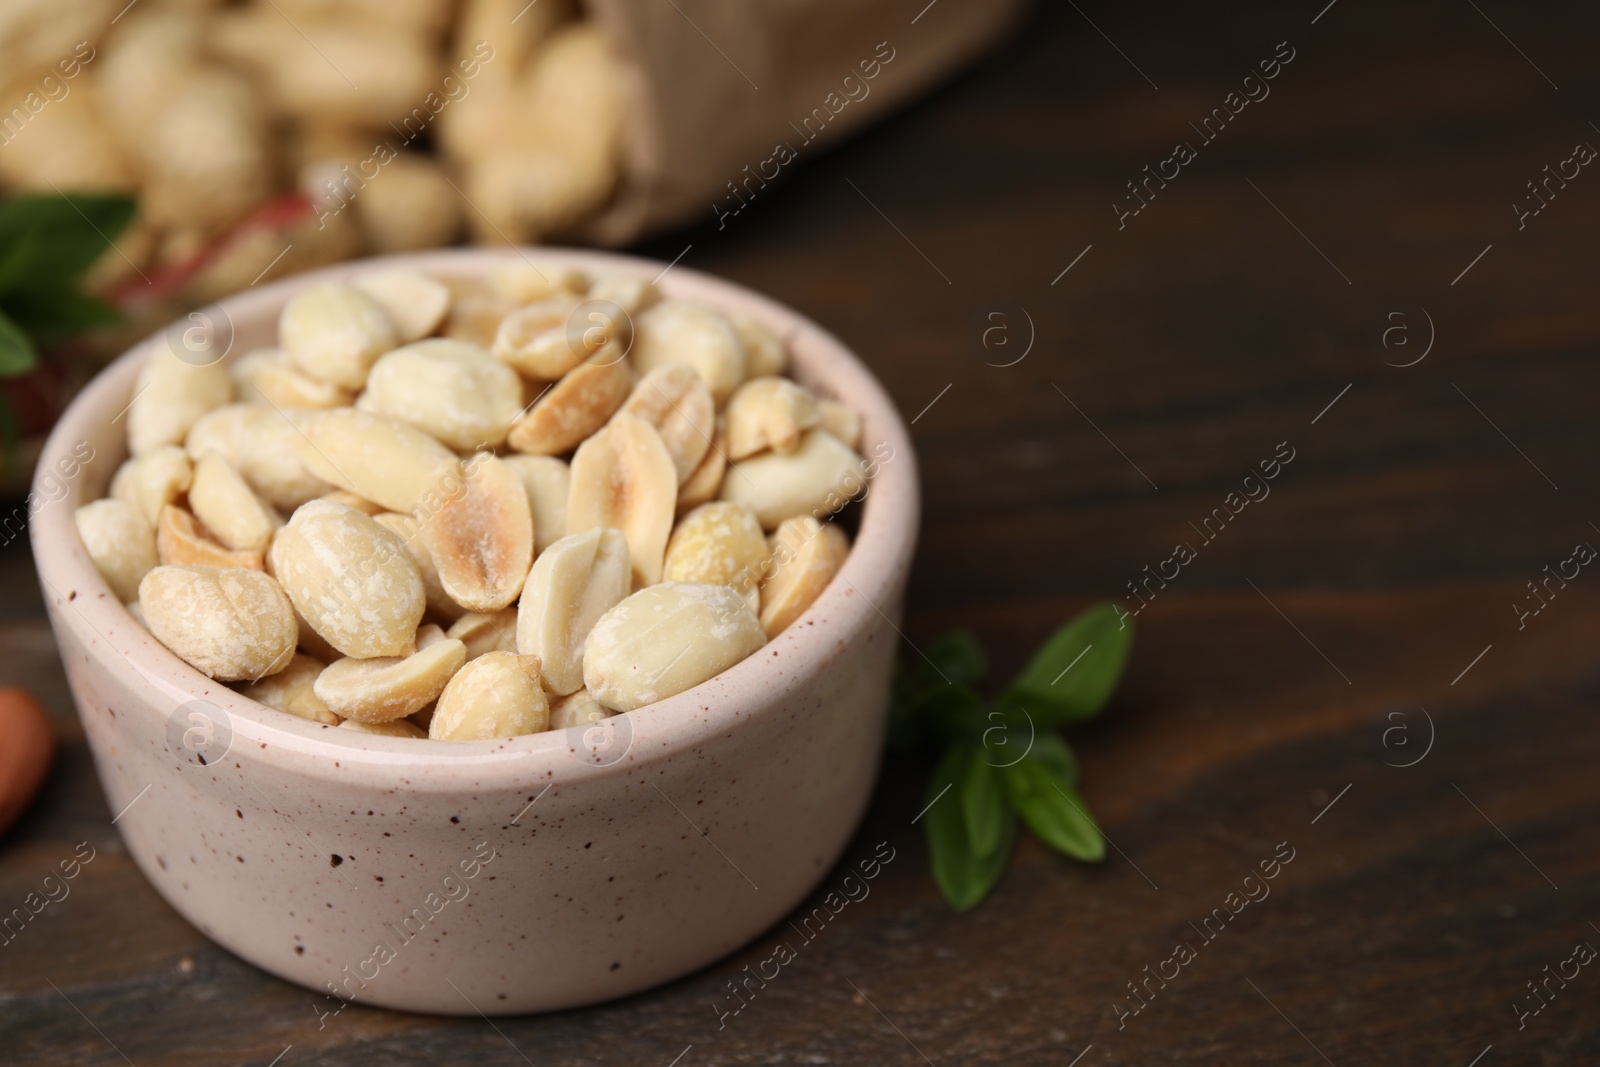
<point x="728" y="94"/>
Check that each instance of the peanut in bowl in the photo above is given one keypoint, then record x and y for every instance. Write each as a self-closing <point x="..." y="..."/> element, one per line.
<point x="519" y="873"/>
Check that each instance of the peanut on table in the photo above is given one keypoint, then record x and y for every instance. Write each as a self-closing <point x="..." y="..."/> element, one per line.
<point x="439" y="509"/>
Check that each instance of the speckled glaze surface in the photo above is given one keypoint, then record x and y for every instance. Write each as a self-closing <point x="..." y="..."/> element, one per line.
<point x="527" y="874"/>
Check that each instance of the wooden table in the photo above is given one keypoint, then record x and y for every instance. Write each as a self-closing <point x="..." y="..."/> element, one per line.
<point x="1357" y="219"/>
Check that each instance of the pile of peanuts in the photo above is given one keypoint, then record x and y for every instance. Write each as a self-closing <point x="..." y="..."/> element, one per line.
<point x="406" y="122"/>
<point x="471" y="509"/>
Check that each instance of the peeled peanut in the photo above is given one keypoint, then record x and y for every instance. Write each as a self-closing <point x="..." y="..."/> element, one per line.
<point x="169" y="395"/>
<point x="706" y="481"/>
<point x="623" y="478"/>
<point x="841" y="421"/>
<point x="679" y="331"/>
<point x="533" y="339"/>
<point x="180" y="541"/>
<point x="452" y="390"/>
<point x="260" y="442"/>
<point x="631" y="294"/>
<point x="547" y="480"/>
<point x="406" y="528"/>
<point x="675" y="400"/>
<point x="229" y="508"/>
<point x="817" y="479"/>
<point x="806" y="554"/>
<point x="413" y="205"/>
<point x="576" y="709"/>
<point x="572" y="583"/>
<point x="265" y="376"/>
<point x="415" y="303"/>
<point x="482" y="633"/>
<point x="206" y="152"/>
<point x="521" y="282"/>
<point x="119" y="541"/>
<point x="763" y="349"/>
<point x="665" y="639"/>
<point x="227" y="623"/>
<point x="152" y="481"/>
<point x="554" y="162"/>
<point x="377" y="458"/>
<point x="574" y="408"/>
<point x="73" y="145"/>
<point x="389" y="687"/>
<point x="481" y="539"/>
<point x="428" y="635"/>
<point x="396" y="728"/>
<point x="476" y="310"/>
<point x="335" y="332"/>
<point x="350" y="500"/>
<point x="496" y="695"/>
<point x="719" y="543"/>
<point x="293" y="690"/>
<point x="770" y="413"/>
<point x="351" y="578"/>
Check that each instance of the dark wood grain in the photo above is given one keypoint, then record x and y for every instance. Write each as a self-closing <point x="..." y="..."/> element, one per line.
<point x="1196" y="339"/>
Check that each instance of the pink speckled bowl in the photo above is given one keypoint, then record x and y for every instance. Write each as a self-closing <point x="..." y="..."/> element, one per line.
<point x="618" y="858"/>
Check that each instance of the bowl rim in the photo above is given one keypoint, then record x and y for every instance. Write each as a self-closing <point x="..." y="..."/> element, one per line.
<point x="866" y="584"/>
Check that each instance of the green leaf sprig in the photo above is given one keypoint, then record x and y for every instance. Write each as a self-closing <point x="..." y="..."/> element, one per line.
<point x="46" y="245"/>
<point x="1003" y="760"/>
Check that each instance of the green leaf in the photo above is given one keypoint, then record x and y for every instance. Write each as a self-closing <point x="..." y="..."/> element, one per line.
<point x="1053" y="810"/>
<point x="983" y="805"/>
<point x="959" y="656"/>
<point x="963" y="876"/>
<point x="953" y="658"/>
<point x="50" y="315"/>
<point x="51" y="240"/>
<point x="1074" y="674"/>
<point x="1057" y="757"/>
<point x="17" y="354"/>
<point x="937" y="712"/>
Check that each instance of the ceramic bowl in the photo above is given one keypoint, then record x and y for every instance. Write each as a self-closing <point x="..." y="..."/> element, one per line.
<point x="516" y="875"/>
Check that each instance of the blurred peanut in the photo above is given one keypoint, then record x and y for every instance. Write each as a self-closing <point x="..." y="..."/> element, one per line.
<point x="265" y="376"/>
<point x="415" y="303"/>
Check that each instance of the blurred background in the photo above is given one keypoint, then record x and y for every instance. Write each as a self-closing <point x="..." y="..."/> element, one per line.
<point x="1379" y="257"/>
